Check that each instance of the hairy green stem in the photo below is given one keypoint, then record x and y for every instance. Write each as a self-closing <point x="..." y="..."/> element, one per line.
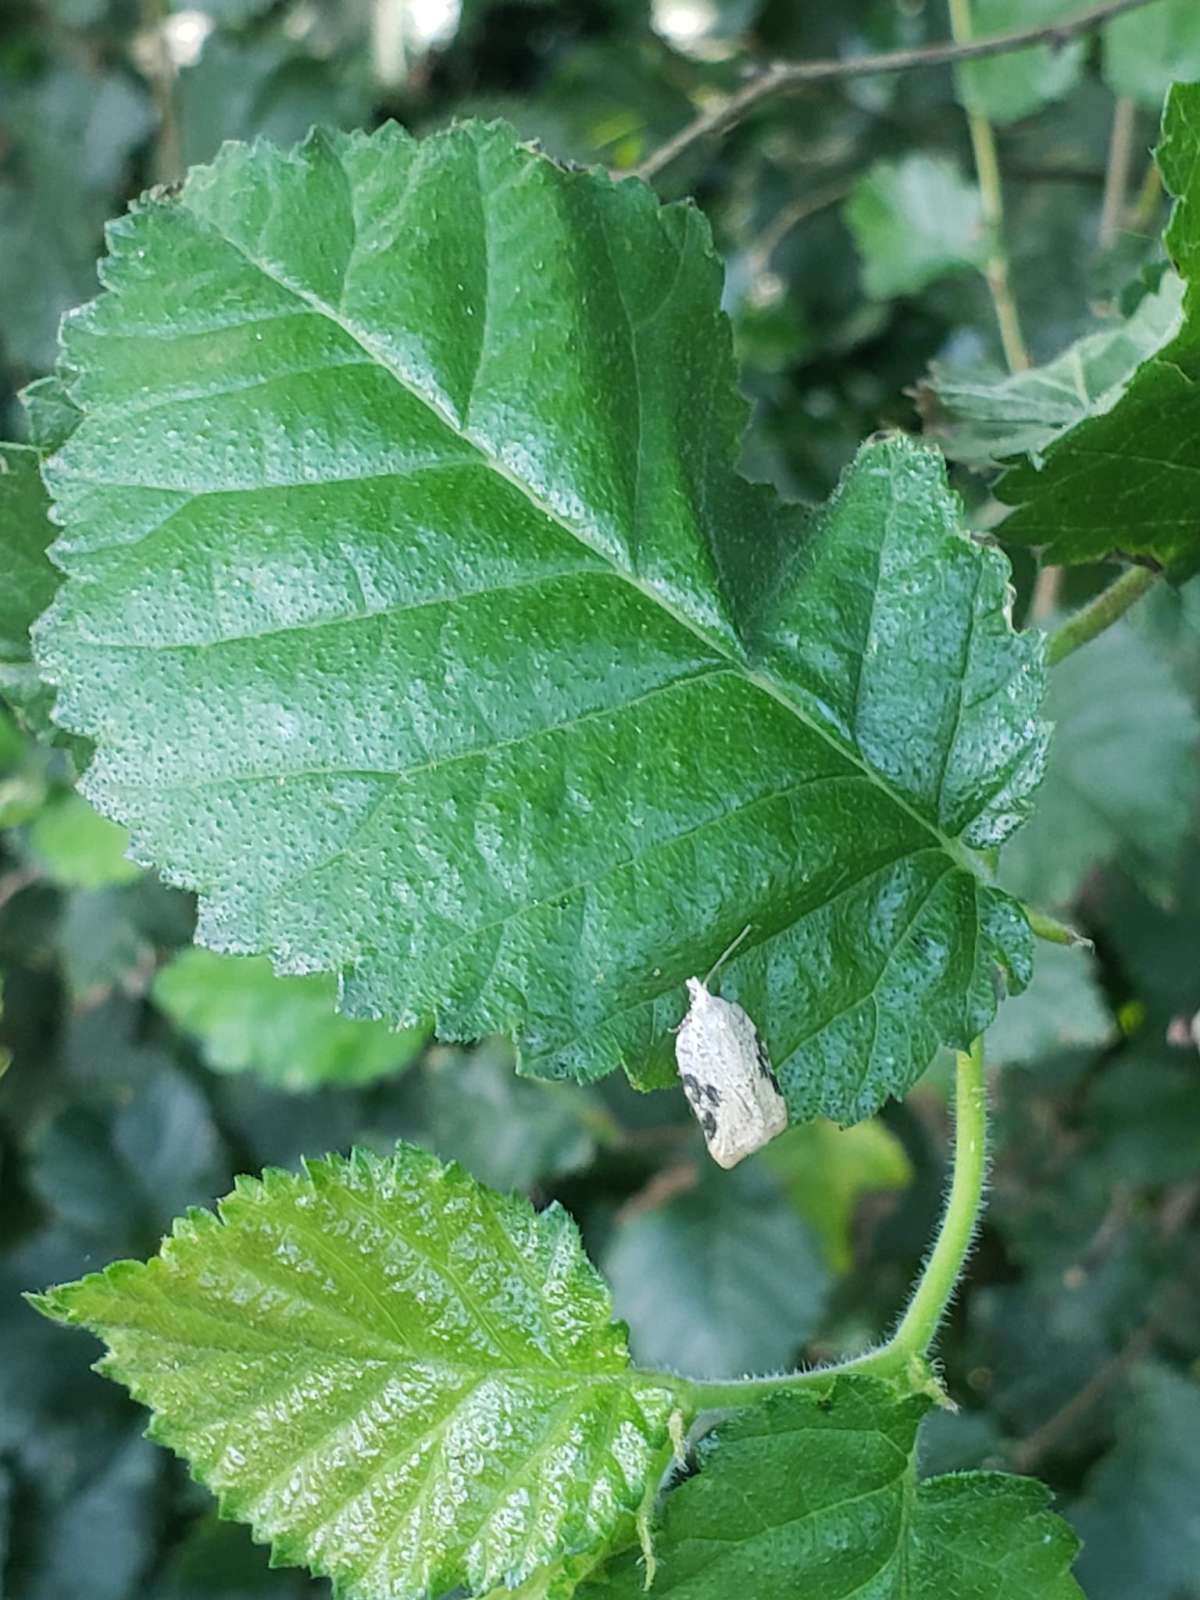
<point x="942" y="1271"/>
<point x="905" y="1353"/>
<point x="1108" y="607"/>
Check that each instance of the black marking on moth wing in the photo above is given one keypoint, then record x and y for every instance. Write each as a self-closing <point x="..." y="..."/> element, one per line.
<point x="709" y="1123"/>
<point x="691" y="1087"/>
<point x="764" y="1063"/>
<point x="712" y="1094"/>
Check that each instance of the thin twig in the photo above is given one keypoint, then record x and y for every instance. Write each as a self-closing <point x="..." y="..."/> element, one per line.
<point x="762" y="248"/>
<point x="1047" y="587"/>
<point x="160" y="69"/>
<point x="785" y="77"/>
<point x="1116" y="177"/>
<point x="663" y="1187"/>
<point x="1026" y="1455"/>
<point x="987" y="170"/>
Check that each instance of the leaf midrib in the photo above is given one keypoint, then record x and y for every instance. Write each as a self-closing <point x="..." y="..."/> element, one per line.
<point x="631" y="1377"/>
<point x="954" y="848"/>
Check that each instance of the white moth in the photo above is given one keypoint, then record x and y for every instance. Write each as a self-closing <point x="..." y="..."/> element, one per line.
<point x="726" y="1073"/>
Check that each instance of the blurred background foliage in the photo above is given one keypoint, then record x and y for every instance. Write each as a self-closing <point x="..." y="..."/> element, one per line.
<point x="139" y="1075"/>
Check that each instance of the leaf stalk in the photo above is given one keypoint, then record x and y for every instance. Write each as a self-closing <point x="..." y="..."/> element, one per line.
<point x="1109" y="606"/>
<point x="904" y="1357"/>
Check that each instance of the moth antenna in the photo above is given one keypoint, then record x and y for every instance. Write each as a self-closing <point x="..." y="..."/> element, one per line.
<point x="725" y="954"/>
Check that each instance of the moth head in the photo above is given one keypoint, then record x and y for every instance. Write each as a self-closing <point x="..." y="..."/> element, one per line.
<point x="696" y="990"/>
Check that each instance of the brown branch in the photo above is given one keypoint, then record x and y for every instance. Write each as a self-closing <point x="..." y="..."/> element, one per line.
<point x="786" y="77"/>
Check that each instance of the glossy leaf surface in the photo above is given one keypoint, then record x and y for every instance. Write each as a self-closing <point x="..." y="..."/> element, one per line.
<point x="815" y="1494"/>
<point x="399" y="1378"/>
<point x="1124" y="480"/>
<point x="424" y="626"/>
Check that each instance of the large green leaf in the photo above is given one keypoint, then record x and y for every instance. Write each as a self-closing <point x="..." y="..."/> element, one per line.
<point x="1151" y="48"/>
<point x="1121" y="779"/>
<point x="399" y="1378"/>
<point x="287" y="1030"/>
<point x="1017" y="83"/>
<point x="1124" y="477"/>
<point x="914" y="221"/>
<point x="722" y="1280"/>
<point x="424" y="625"/>
<point x="814" y="1495"/>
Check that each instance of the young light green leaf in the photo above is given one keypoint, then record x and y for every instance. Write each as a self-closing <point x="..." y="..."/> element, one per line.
<point x="1124" y="477"/>
<point x="287" y="1030"/>
<point x="1120" y="782"/>
<point x="1006" y="87"/>
<point x="1149" y="49"/>
<point x="1138" y="1511"/>
<point x="398" y="1378"/>
<point x="915" y="221"/>
<point x="427" y="631"/>
<point x="699" y="1278"/>
<point x="814" y="1494"/>
<point x="984" y="421"/>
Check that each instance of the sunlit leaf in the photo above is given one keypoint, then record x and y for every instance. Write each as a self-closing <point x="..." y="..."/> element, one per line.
<point x="1017" y="83"/>
<point x="984" y="421"/>
<point x="397" y="1377"/>
<point x="1149" y="49"/>
<point x="77" y="848"/>
<point x="432" y="660"/>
